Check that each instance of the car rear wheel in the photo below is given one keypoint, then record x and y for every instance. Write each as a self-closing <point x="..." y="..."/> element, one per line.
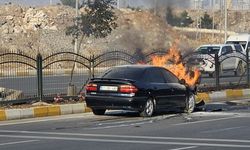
<point x="211" y="75"/>
<point x="149" y="108"/>
<point x="190" y="104"/>
<point x="99" y="111"/>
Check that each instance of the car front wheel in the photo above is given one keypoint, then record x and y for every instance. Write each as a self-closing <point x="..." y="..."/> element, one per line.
<point x="99" y="111"/>
<point x="149" y="109"/>
<point x="190" y="104"/>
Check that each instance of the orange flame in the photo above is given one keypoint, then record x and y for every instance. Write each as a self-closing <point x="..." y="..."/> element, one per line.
<point x="173" y="62"/>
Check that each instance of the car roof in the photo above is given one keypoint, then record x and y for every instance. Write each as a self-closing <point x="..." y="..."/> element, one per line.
<point x="139" y="66"/>
<point x="239" y="37"/>
<point x="208" y="45"/>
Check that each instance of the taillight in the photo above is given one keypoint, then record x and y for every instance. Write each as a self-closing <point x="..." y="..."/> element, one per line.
<point x="128" y="89"/>
<point x="91" y="87"/>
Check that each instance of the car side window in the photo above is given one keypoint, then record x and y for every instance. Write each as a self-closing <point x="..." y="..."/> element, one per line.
<point x="169" y="77"/>
<point x="153" y="75"/>
<point x="248" y="46"/>
<point x="226" y="50"/>
<point x="238" y="48"/>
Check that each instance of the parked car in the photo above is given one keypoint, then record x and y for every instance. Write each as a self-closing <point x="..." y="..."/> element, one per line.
<point x="142" y="88"/>
<point x="234" y="58"/>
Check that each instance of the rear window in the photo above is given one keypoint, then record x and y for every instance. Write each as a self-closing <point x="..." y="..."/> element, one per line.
<point x="209" y="50"/>
<point x="124" y="73"/>
<point x="154" y="75"/>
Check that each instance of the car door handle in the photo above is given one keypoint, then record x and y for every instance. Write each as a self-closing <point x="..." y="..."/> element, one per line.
<point x="155" y="88"/>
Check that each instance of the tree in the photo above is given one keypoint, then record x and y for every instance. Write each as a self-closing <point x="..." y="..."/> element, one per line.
<point x="206" y="21"/>
<point x="185" y="19"/>
<point x="171" y="18"/>
<point x="98" y="21"/>
<point x="71" y="3"/>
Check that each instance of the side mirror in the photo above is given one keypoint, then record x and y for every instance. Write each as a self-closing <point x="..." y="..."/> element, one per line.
<point x="182" y="81"/>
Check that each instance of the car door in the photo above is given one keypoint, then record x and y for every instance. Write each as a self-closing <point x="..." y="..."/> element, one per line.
<point x="229" y="62"/>
<point x="158" y="87"/>
<point x="178" y="91"/>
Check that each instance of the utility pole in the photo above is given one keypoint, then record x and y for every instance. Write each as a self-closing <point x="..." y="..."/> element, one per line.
<point x="155" y="5"/>
<point x="212" y="1"/>
<point x="225" y="30"/>
<point x="118" y="4"/>
<point x="197" y="19"/>
<point x="76" y="23"/>
<point x="71" y="87"/>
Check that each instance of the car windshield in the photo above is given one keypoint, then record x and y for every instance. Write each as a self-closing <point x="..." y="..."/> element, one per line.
<point x="209" y="50"/>
<point x="123" y="73"/>
<point x="238" y="48"/>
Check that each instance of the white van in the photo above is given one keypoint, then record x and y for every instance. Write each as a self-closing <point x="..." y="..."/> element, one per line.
<point x="243" y="39"/>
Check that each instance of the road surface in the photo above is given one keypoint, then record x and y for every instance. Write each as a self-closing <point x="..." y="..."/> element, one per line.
<point x="227" y="129"/>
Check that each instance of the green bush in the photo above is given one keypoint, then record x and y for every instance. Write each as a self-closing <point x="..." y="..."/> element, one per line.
<point x="206" y="21"/>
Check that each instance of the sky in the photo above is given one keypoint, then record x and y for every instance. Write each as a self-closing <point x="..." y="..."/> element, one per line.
<point x="135" y="3"/>
<point x="123" y="3"/>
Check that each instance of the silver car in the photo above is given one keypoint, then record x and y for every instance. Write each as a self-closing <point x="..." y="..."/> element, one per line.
<point x="231" y="56"/>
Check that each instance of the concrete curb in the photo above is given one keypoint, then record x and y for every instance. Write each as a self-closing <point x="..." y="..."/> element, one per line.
<point x="223" y="95"/>
<point x="55" y="110"/>
<point x="43" y="111"/>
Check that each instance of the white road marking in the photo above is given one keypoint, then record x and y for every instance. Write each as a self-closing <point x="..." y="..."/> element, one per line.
<point x="224" y="129"/>
<point x="70" y="116"/>
<point x="209" y="120"/>
<point x="126" y="136"/>
<point x="18" y="142"/>
<point x="183" y="148"/>
<point x="127" y="141"/>
<point x="122" y="125"/>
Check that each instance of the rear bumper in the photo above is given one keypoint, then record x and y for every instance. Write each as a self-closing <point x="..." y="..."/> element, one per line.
<point x="115" y="103"/>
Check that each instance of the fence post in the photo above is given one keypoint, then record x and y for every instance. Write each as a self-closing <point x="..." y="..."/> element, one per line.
<point x="39" y="60"/>
<point x="93" y="63"/>
<point x="90" y="67"/>
<point x="248" y="71"/>
<point x="217" y="71"/>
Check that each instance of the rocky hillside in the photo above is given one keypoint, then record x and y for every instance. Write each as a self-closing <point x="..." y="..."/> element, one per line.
<point x="32" y="30"/>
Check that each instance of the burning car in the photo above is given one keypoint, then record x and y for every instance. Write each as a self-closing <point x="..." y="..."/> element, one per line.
<point x="142" y="88"/>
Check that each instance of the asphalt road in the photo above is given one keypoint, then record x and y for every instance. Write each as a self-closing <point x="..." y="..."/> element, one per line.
<point x="51" y="84"/>
<point x="220" y="127"/>
<point x="59" y="84"/>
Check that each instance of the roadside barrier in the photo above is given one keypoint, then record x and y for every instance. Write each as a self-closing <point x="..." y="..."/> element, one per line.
<point x="223" y="95"/>
<point x="43" y="111"/>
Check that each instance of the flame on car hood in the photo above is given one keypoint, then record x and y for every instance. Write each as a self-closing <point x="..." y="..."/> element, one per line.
<point x="173" y="61"/>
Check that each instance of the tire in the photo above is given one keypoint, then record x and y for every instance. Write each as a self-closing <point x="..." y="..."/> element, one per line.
<point x="239" y="70"/>
<point x="190" y="104"/>
<point x="211" y="75"/>
<point x="148" y="109"/>
<point x="99" y="111"/>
